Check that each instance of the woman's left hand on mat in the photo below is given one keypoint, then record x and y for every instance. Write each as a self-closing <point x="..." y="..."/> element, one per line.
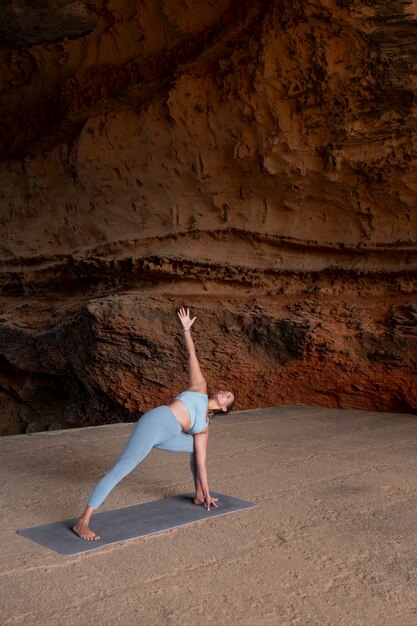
<point x="210" y="502"/>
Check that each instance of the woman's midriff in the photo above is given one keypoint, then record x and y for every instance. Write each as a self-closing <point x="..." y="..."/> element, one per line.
<point x="181" y="413"/>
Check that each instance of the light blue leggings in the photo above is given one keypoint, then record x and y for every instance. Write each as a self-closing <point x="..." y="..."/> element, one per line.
<point x="158" y="428"/>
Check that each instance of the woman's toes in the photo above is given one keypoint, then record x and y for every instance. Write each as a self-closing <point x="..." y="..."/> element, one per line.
<point x="92" y="536"/>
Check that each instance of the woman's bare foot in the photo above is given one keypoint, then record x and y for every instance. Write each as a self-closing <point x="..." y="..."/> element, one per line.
<point x="199" y="498"/>
<point x="82" y="530"/>
<point x="82" y="527"/>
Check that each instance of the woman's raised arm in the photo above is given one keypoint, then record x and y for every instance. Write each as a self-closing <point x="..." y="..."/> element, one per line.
<point x="197" y="382"/>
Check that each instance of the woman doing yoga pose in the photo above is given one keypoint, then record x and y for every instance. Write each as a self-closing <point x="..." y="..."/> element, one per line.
<point x="181" y="426"/>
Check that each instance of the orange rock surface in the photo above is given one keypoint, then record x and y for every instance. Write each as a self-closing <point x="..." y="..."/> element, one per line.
<point x="254" y="160"/>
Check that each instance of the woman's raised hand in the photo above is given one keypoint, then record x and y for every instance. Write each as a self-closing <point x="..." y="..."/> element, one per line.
<point x="186" y="321"/>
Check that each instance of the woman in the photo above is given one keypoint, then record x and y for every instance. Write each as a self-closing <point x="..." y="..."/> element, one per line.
<point x="182" y="426"/>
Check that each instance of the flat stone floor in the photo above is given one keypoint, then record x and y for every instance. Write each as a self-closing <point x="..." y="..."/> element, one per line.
<point x="333" y="540"/>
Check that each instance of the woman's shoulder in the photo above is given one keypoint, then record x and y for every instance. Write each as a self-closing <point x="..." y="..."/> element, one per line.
<point x="193" y="393"/>
<point x="200" y="388"/>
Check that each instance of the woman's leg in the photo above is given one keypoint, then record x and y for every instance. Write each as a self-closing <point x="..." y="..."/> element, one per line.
<point x="152" y="428"/>
<point x="184" y="442"/>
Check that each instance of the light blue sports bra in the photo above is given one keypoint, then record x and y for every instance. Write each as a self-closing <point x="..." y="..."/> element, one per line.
<point x="196" y="404"/>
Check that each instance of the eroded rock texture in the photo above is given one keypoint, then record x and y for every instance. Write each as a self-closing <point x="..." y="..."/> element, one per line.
<point x="254" y="160"/>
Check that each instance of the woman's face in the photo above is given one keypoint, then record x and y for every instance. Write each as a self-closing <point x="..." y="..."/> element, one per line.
<point x="223" y="398"/>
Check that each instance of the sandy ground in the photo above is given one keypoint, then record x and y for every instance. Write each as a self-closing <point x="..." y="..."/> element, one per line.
<point x="331" y="542"/>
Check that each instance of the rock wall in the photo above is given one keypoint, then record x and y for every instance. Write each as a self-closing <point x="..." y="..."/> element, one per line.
<point x="253" y="160"/>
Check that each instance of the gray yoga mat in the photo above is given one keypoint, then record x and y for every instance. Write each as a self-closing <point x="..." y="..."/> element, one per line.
<point x="131" y="522"/>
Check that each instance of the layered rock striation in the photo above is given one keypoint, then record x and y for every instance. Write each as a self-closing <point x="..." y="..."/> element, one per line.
<point x="253" y="160"/>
